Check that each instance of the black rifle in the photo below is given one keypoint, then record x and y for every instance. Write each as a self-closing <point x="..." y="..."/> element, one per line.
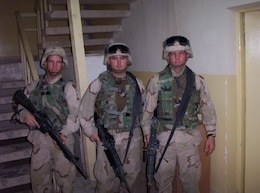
<point x="46" y="127"/>
<point x="151" y="154"/>
<point x="109" y="143"/>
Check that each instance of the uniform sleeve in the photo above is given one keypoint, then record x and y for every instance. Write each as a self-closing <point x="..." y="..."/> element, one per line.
<point x="27" y="91"/>
<point x="142" y="89"/>
<point x="150" y="104"/>
<point x="207" y="108"/>
<point x="73" y="101"/>
<point x="87" y="108"/>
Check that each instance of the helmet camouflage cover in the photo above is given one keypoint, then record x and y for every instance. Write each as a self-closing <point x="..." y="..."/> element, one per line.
<point x="54" y="51"/>
<point x="120" y="49"/>
<point x="176" y="43"/>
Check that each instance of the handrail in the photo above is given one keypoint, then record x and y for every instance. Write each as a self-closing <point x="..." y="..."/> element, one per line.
<point x="37" y="5"/>
<point x="26" y="53"/>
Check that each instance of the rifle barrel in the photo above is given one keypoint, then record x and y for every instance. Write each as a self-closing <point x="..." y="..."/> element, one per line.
<point x="111" y="153"/>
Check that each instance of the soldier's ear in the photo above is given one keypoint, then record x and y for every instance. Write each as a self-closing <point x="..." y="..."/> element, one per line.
<point x="45" y="64"/>
<point x="188" y="55"/>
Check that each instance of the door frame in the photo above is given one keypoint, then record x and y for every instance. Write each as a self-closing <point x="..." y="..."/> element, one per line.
<point x="241" y="96"/>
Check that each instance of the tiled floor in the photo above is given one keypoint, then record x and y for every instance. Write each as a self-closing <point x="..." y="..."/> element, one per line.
<point x="85" y="186"/>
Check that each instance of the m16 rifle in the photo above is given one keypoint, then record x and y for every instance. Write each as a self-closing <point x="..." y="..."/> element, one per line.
<point x="109" y="143"/>
<point x="46" y="127"/>
<point x="151" y="154"/>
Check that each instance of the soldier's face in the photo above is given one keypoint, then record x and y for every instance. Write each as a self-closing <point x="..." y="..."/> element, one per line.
<point x="178" y="58"/>
<point x="118" y="63"/>
<point x="54" y="64"/>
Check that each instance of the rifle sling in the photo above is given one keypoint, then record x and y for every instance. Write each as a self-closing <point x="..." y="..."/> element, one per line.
<point x="136" y="107"/>
<point x="181" y="110"/>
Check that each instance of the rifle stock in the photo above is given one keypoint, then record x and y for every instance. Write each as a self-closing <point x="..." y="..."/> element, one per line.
<point x="46" y="127"/>
<point x="111" y="153"/>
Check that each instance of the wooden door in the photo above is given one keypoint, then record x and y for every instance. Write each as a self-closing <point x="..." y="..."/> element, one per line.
<point x="252" y="82"/>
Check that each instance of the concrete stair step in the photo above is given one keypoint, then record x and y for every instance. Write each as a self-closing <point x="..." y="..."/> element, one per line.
<point x="90" y="2"/>
<point x="13" y="152"/>
<point x="25" y="188"/>
<point x="86" y="29"/>
<point x="9" y="92"/>
<point x="13" y="174"/>
<point x="9" y="130"/>
<point x="12" y="84"/>
<point x="5" y="99"/>
<point x="88" y="14"/>
<point x="6" y="108"/>
<point x="67" y="44"/>
<point x="10" y="60"/>
<point x="11" y="70"/>
<point x="6" y="116"/>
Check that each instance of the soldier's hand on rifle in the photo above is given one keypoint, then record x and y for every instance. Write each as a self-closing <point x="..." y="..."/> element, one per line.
<point x="63" y="139"/>
<point x="147" y="140"/>
<point x="30" y="120"/>
<point x="94" y="138"/>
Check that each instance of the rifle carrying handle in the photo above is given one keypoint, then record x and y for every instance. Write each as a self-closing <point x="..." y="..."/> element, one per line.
<point x="20" y="98"/>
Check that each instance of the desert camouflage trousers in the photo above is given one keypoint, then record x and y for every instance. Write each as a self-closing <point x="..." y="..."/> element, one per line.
<point x="183" y="150"/>
<point x="47" y="162"/>
<point x="107" y="182"/>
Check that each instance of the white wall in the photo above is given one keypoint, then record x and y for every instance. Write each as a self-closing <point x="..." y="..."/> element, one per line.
<point x="209" y="24"/>
<point x="211" y="27"/>
<point x="94" y="66"/>
<point x="145" y="30"/>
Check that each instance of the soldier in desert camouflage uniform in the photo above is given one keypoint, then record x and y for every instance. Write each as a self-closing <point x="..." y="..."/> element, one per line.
<point x="58" y="99"/>
<point x="164" y="93"/>
<point x="111" y="97"/>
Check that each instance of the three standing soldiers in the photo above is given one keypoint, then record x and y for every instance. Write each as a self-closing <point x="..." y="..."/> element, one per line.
<point x="117" y="100"/>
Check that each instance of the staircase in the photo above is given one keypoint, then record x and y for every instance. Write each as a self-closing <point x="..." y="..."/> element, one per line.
<point x="100" y="20"/>
<point x="15" y="150"/>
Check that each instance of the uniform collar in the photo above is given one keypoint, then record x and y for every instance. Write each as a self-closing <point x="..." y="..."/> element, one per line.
<point x="174" y="74"/>
<point x="56" y="79"/>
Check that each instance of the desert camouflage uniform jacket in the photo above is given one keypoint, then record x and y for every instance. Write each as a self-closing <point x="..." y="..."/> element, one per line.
<point x="206" y="106"/>
<point x="87" y="107"/>
<point x="72" y="99"/>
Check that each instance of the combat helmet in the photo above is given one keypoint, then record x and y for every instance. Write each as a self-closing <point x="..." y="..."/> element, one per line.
<point x="54" y="51"/>
<point x="117" y="49"/>
<point x="176" y="43"/>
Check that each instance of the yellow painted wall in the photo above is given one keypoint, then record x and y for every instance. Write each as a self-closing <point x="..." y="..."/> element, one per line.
<point x="252" y="95"/>
<point x="223" y="91"/>
<point x="144" y="76"/>
<point x="224" y="168"/>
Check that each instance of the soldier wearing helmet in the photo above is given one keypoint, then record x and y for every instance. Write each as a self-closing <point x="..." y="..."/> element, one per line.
<point x="111" y="98"/>
<point x="178" y="132"/>
<point x="58" y="99"/>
